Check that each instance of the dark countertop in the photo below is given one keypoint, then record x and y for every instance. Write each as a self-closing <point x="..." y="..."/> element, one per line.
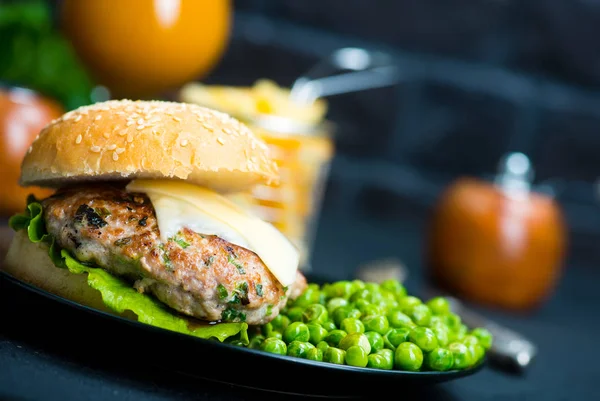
<point x="38" y="366"/>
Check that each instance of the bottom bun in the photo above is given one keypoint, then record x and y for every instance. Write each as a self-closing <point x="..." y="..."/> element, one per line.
<point x="30" y="263"/>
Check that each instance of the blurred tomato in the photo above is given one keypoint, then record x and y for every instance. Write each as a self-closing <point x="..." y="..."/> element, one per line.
<point x="139" y="48"/>
<point x="23" y="114"/>
<point x="496" y="249"/>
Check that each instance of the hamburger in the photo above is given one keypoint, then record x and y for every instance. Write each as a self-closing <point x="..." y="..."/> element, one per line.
<point x="141" y="223"/>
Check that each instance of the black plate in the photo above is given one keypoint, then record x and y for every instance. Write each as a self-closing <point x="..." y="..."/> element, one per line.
<point x="73" y="325"/>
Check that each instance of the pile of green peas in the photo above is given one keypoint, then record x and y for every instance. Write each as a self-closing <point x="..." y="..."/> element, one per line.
<point x="372" y="325"/>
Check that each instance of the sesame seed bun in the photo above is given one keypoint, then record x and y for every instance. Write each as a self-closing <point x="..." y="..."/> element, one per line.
<point x="123" y="140"/>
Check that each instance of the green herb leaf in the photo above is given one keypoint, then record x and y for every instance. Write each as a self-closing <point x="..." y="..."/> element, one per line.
<point x="180" y="241"/>
<point x="231" y="315"/>
<point x="237" y="264"/>
<point x="165" y="257"/>
<point x="222" y="291"/>
<point x="259" y="289"/>
<point x="269" y="310"/>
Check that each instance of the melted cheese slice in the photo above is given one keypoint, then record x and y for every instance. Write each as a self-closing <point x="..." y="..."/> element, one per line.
<point x="179" y="204"/>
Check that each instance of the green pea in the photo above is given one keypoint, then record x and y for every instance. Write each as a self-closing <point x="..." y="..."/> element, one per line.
<point x="317" y="333"/>
<point x="470" y="339"/>
<point x="461" y="354"/>
<point x="395" y="337"/>
<point x="280" y="322"/>
<point x="334" y="355"/>
<point x="375" y="339"/>
<point x="420" y="314"/>
<point x="368" y="309"/>
<point x="352" y="325"/>
<point x="275" y="334"/>
<point x="299" y="349"/>
<point x="395" y="287"/>
<point x="344" y="312"/>
<point x="357" y="285"/>
<point x="356" y="356"/>
<point x="388" y="305"/>
<point x="322" y="298"/>
<point x="355" y="339"/>
<point x="360" y="304"/>
<point x="388" y="356"/>
<point x="453" y="321"/>
<point x="424" y="338"/>
<point x="440" y="359"/>
<point x="315" y="313"/>
<point x="274" y="346"/>
<point x="256" y="341"/>
<point x="340" y="289"/>
<point x="389" y="295"/>
<point x="373" y="287"/>
<point x="461" y="332"/>
<point x="323" y="346"/>
<point x="315" y="354"/>
<point x="335" y="303"/>
<point x="267" y="329"/>
<point x="379" y="324"/>
<point x="295" y="314"/>
<point x="397" y="319"/>
<point x="363" y="294"/>
<point x="296" y="331"/>
<point x="439" y="306"/>
<point x="436" y="321"/>
<point x="329" y="325"/>
<point x="441" y="332"/>
<point x="478" y="352"/>
<point x="484" y="336"/>
<point x="334" y="337"/>
<point x="408" y="357"/>
<point x="308" y="297"/>
<point x="408" y="302"/>
<point x="376" y="361"/>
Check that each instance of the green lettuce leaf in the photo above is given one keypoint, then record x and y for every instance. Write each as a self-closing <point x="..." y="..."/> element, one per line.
<point x="117" y="294"/>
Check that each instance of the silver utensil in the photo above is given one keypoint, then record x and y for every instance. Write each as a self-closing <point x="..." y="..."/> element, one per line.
<point x="368" y="70"/>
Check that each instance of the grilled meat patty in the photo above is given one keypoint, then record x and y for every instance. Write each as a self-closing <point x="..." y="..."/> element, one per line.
<point x="199" y="275"/>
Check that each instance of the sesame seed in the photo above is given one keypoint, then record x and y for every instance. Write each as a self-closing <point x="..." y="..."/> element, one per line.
<point x="78" y="139"/>
<point x="227" y="131"/>
<point x="140" y="127"/>
<point x="221" y="141"/>
<point x="140" y="121"/>
<point x="130" y="137"/>
<point x="78" y="117"/>
<point x="184" y="142"/>
<point x="106" y="135"/>
<point x="115" y="156"/>
<point x="177" y="119"/>
<point x="120" y="150"/>
<point x="208" y="126"/>
<point x="111" y="147"/>
<point x="123" y="132"/>
<point x="130" y="123"/>
<point x="99" y="116"/>
<point x="95" y="149"/>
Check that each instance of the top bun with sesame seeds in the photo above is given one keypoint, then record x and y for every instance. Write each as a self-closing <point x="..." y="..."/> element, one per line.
<point x="125" y="140"/>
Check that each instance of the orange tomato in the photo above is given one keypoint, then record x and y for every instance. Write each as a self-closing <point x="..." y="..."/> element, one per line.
<point x="494" y="249"/>
<point x="139" y="48"/>
<point x="23" y="114"/>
